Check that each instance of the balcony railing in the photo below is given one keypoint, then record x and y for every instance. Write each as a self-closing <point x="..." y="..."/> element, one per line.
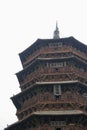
<point x="40" y="102"/>
<point x="48" y="50"/>
<point x="49" y="98"/>
<point x="41" y="73"/>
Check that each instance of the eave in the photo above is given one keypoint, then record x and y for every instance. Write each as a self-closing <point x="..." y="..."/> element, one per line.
<point x="47" y="113"/>
<point x="16" y="97"/>
<point x="41" y="42"/>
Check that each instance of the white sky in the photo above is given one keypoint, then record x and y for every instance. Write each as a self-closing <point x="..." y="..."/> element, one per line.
<point x="21" y="23"/>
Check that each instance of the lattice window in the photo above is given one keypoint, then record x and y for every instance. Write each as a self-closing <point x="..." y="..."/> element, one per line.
<point x="57" y="44"/>
<point x="58" y="123"/>
<point x="57" y="90"/>
<point x="56" y="64"/>
<point x="53" y="65"/>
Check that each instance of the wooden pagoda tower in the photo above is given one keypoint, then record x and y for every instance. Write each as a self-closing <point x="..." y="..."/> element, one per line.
<point x="53" y="86"/>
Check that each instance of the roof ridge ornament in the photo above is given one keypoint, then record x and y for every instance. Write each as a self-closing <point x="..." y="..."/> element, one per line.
<point x="56" y="32"/>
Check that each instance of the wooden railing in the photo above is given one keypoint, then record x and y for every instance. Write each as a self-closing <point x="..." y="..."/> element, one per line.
<point x="49" y="98"/>
<point x="35" y="101"/>
<point x="65" y="99"/>
<point x="41" y="72"/>
<point x="48" y="50"/>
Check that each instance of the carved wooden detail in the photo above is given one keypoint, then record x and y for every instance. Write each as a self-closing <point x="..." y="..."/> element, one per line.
<point x="50" y="123"/>
<point x="57" y="71"/>
<point x="43" y="99"/>
<point x="54" y="78"/>
<point x="50" y="50"/>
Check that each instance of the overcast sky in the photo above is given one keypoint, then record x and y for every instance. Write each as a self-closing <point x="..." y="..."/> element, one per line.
<point x="22" y="22"/>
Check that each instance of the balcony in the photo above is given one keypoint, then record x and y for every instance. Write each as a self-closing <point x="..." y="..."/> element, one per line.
<point x="48" y="50"/>
<point x="47" y="102"/>
<point x="52" y="74"/>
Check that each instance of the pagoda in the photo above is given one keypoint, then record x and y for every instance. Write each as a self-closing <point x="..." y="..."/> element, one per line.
<point x="53" y="85"/>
